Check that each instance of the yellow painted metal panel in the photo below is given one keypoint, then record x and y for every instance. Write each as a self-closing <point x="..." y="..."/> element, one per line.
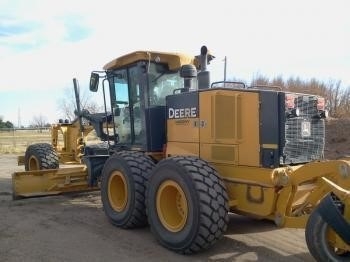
<point x="252" y="187"/>
<point x="220" y="153"/>
<point x="231" y="117"/>
<point x="183" y="130"/>
<point x="184" y="149"/>
<point x="174" y="60"/>
<point x="206" y="121"/>
<point x="255" y="200"/>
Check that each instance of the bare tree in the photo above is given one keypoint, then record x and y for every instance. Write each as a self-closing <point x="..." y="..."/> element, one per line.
<point x="344" y="103"/>
<point x="40" y="122"/>
<point x="67" y="103"/>
<point x="337" y="97"/>
<point x="333" y="97"/>
<point x="260" y="80"/>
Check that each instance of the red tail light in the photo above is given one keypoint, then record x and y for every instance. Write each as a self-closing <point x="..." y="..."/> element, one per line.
<point x="321" y="103"/>
<point x="289" y="101"/>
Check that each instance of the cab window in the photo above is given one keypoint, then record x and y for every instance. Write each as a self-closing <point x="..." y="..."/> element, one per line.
<point x="126" y="105"/>
<point x="161" y="83"/>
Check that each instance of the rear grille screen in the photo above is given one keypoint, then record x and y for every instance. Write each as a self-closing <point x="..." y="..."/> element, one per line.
<point x="304" y="134"/>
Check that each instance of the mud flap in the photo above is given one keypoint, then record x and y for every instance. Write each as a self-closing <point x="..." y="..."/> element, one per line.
<point x="332" y="216"/>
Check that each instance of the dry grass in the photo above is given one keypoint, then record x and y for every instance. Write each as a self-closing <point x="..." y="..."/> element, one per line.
<point x="17" y="141"/>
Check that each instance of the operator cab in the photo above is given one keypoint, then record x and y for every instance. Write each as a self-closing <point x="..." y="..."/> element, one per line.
<point x="138" y="101"/>
<point x="138" y="85"/>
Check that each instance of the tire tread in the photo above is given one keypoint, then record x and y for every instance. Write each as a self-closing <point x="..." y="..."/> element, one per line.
<point x="141" y="166"/>
<point x="212" y="201"/>
<point x="44" y="152"/>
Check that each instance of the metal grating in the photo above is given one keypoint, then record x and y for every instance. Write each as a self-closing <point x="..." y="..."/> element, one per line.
<point x="305" y="134"/>
<point x="307" y="105"/>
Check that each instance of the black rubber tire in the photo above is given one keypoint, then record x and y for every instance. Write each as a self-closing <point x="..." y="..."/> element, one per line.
<point x="207" y="203"/>
<point x="43" y="154"/>
<point x="136" y="168"/>
<point x="317" y="242"/>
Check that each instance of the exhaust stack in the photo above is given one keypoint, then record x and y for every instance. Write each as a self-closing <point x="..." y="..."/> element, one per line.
<point x="204" y="75"/>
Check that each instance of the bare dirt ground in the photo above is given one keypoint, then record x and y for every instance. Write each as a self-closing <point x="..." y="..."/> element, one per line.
<point x="337" y="138"/>
<point x="75" y="228"/>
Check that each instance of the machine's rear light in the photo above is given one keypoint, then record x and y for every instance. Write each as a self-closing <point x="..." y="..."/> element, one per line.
<point x="291" y="109"/>
<point x="321" y="108"/>
<point x="321" y="103"/>
<point x="289" y="101"/>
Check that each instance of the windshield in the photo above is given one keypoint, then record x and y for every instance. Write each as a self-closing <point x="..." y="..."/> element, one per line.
<point x="162" y="82"/>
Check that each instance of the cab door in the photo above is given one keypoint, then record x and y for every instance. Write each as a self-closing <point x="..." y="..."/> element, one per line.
<point x="125" y="100"/>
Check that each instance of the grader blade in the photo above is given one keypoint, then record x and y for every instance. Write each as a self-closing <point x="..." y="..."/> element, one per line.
<point x="50" y="182"/>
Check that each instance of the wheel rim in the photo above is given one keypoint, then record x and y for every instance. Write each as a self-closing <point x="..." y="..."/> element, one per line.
<point x="117" y="191"/>
<point x="332" y="243"/>
<point x="172" y="206"/>
<point x="33" y="163"/>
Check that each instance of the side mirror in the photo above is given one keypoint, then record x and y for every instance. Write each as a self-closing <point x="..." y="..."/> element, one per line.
<point x="94" y="79"/>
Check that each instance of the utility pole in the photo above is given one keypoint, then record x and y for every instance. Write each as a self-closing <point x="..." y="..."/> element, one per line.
<point x="19" y="118"/>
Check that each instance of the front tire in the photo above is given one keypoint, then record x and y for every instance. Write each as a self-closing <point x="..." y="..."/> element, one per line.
<point x="123" y="187"/>
<point x="40" y="156"/>
<point x="320" y="240"/>
<point x="187" y="204"/>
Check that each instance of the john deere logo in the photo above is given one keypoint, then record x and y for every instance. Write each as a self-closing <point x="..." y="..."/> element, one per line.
<point x="305" y="129"/>
<point x="182" y="112"/>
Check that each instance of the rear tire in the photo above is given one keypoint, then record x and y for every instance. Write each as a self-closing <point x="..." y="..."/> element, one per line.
<point x="317" y="236"/>
<point x="123" y="187"/>
<point x="40" y="156"/>
<point x="187" y="204"/>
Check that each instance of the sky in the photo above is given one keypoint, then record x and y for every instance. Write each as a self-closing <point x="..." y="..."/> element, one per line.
<point x="44" y="44"/>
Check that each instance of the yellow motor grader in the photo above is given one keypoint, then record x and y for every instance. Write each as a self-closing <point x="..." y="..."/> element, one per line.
<point x="185" y="152"/>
